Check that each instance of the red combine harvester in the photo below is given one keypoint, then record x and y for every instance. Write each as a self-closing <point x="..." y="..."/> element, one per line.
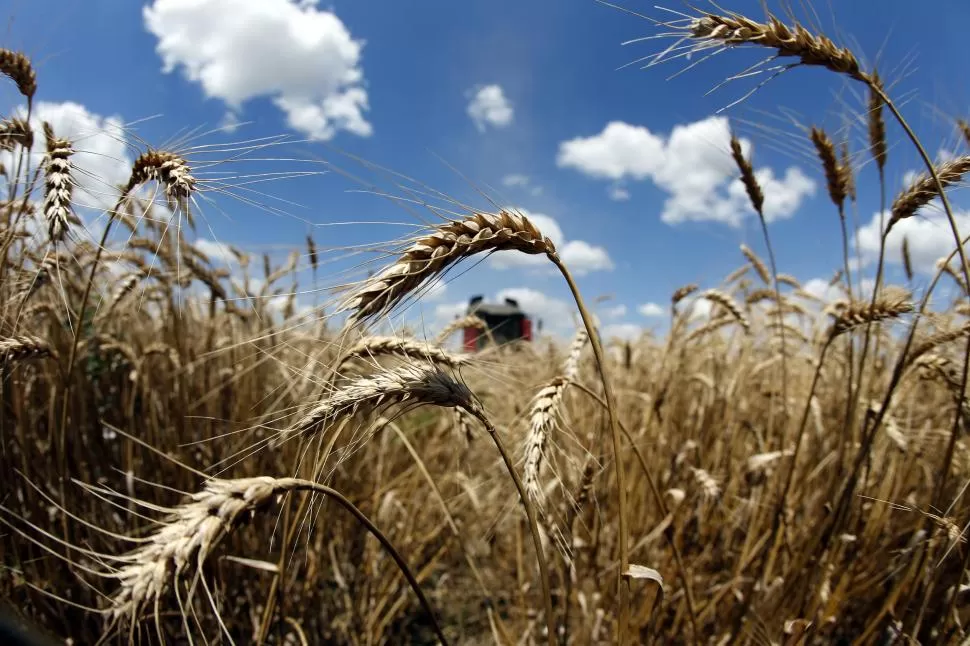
<point x="505" y="321"/>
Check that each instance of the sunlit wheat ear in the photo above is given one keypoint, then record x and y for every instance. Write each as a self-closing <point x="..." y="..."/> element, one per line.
<point x="543" y="417"/>
<point x="710" y="489"/>
<point x="375" y="346"/>
<point x="757" y="263"/>
<point x="125" y="288"/>
<point x="166" y="168"/>
<point x="888" y="305"/>
<point x="876" y="123"/>
<point x="936" y="340"/>
<point x="570" y="369"/>
<point x="758" y="295"/>
<point x="20" y="348"/>
<point x="406" y="385"/>
<point x="470" y="321"/>
<point x="924" y="189"/>
<point x="683" y="292"/>
<point x="17" y="67"/>
<point x="788" y="279"/>
<point x="733" y="29"/>
<point x="835" y="176"/>
<point x="429" y="256"/>
<point x="720" y="298"/>
<point x="58" y="184"/>
<point x="15" y="132"/>
<point x="184" y="541"/>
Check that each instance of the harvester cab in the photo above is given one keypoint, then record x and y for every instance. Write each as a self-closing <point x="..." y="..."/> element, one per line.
<point x="505" y="323"/>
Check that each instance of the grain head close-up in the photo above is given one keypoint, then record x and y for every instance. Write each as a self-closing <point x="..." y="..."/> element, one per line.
<point x="484" y="323"/>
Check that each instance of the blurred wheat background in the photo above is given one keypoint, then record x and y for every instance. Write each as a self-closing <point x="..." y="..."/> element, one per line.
<point x="190" y="457"/>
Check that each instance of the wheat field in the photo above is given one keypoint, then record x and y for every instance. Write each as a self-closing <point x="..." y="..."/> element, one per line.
<point x="188" y="458"/>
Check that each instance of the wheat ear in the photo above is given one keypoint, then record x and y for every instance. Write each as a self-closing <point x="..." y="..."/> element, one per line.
<point x="373" y="346"/>
<point x="18" y="348"/>
<point x="925" y="188"/>
<point x="58" y="184"/>
<point x="885" y="306"/>
<point x="16" y="66"/>
<point x="720" y="298"/>
<point x="193" y="530"/>
<point x="733" y="29"/>
<point x="406" y="384"/>
<point x="431" y="255"/>
<point x="759" y="266"/>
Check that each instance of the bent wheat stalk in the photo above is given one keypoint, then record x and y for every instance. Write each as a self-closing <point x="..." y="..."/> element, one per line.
<point x="429" y="256"/>
<point x="194" y="529"/>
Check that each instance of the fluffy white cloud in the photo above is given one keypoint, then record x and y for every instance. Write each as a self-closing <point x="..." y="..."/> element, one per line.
<point x="652" y="310"/>
<point x="488" y="106"/>
<point x="301" y="57"/>
<point x="515" y="179"/>
<point x="579" y="256"/>
<point x="100" y="159"/>
<point x="620" y="151"/>
<point x="615" y="312"/>
<point x="928" y="233"/>
<point x="692" y="165"/>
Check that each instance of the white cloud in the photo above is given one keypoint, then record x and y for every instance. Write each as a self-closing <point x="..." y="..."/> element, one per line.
<point x="579" y="256"/>
<point x="929" y="237"/>
<point x="620" y="151"/>
<point x="515" y="179"/>
<point x="101" y="158"/>
<point x="615" y="312"/>
<point x="652" y="310"/>
<point x="691" y="164"/>
<point x="625" y="331"/>
<point x="618" y="193"/>
<point x="216" y="251"/>
<point x="303" y="58"/>
<point x="488" y="106"/>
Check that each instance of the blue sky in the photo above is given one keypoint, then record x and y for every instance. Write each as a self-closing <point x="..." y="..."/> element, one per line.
<point x="522" y="101"/>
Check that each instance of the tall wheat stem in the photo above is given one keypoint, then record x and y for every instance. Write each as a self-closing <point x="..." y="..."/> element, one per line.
<point x="624" y="588"/>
